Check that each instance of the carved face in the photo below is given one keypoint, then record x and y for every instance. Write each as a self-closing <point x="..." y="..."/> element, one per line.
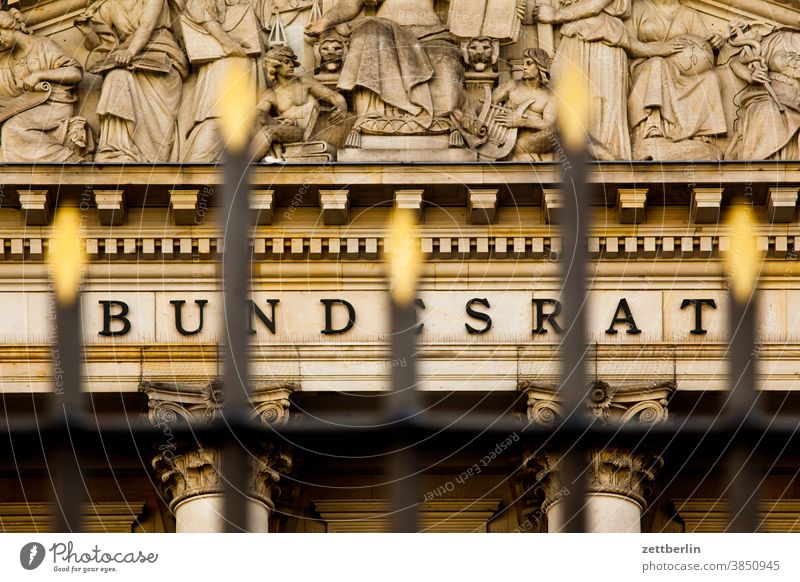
<point x="7" y="39"/>
<point x="786" y="62"/>
<point x="331" y="51"/>
<point x="480" y="51"/>
<point x="279" y="68"/>
<point x="530" y="70"/>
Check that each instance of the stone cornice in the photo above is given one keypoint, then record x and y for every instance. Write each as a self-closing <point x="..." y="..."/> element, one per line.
<point x="344" y="175"/>
<point x="634" y="402"/>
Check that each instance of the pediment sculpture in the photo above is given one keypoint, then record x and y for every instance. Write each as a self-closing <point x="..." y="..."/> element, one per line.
<point x="399" y="80"/>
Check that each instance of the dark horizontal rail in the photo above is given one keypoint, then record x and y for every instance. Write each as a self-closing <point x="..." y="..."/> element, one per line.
<point x="697" y="434"/>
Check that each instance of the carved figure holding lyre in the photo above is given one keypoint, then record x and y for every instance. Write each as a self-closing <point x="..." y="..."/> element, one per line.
<point x="37" y="98"/>
<point x="518" y="118"/>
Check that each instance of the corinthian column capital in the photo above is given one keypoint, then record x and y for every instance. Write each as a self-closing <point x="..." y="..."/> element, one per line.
<point x="187" y="474"/>
<point x="170" y="402"/>
<point x="540" y="484"/>
<point x="620" y="472"/>
<point x="621" y="404"/>
<point x="196" y="471"/>
<point x="269" y="465"/>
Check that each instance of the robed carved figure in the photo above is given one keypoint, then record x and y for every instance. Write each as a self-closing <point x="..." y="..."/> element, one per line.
<point x="36" y="97"/>
<point x="594" y="39"/>
<point x="133" y="47"/>
<point x="403" y="66"/>
<point x="768" y="121"/>
<point x="675" y="106"/>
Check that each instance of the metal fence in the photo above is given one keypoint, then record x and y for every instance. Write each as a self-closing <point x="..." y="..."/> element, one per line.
<point x="743" y="434"/>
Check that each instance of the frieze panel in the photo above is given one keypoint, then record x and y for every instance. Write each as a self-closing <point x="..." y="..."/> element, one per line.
<point x="398" y="80"/>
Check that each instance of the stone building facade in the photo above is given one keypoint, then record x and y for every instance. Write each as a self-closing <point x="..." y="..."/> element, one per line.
<point x="462" y="134"/>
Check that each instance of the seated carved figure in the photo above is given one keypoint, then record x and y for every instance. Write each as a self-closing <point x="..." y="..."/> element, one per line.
<point x="289" y="108"/>
<point x="403" y="66"/>
<point x="132" y="46"/>
<point x="36" y="97"/>
<point x="531" y="107"/>
<point x="676" y="96"/>
<point x="768" y="126"/>
<point x="517" y="119"/>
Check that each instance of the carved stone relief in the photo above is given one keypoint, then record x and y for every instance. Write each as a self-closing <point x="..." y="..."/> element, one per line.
<point x="135" y="51"/>
<point x="400" y="80"/>
<point x="37" y="98"/>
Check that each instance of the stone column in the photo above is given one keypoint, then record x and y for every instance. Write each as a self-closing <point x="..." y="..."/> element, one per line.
<point x="619" y="481"/>
<point x="189" y="473"/>
<point x="618" y="486"/>
<point x="193" y="488"/>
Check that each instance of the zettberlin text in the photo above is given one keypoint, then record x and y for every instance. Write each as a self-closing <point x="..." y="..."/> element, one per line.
<point x="665" y="549"/>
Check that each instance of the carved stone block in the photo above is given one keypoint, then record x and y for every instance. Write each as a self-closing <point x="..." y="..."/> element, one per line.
<point x="184" y="206"/>
<point x="335" y="205"/>
<point x="706" y="203"/>
<point x="552" y="205"/>
<point x="261" y="206"/>
<point x="409" y="200"/>
<point x="482" y="206"/>
<point x="781" y="204"/>
<point x="631" y="203"/>
<point x="408" y="148"/>
<point x="110" y="206"/>
<point x="35" y="205"/>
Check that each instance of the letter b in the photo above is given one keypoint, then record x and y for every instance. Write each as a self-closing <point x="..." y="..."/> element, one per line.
<point x="108" y="317"/>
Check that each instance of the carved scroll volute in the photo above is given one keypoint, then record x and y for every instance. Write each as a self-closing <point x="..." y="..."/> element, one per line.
<point x="543" y="408"/>
<point x="272" y="406"/>
<point x="650" y="412"/>
<point x="624" y="404"/>
<point x="170" y="403"/>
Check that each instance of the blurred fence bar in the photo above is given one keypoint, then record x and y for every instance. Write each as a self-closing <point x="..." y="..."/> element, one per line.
<point x="574" y="382"/>
<point x="237" y="107"/>
<point x="742" y="406"/>
<point x="66" y="410"/>
<point x="66" y="264"/>
<point x="236" y="266"/>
